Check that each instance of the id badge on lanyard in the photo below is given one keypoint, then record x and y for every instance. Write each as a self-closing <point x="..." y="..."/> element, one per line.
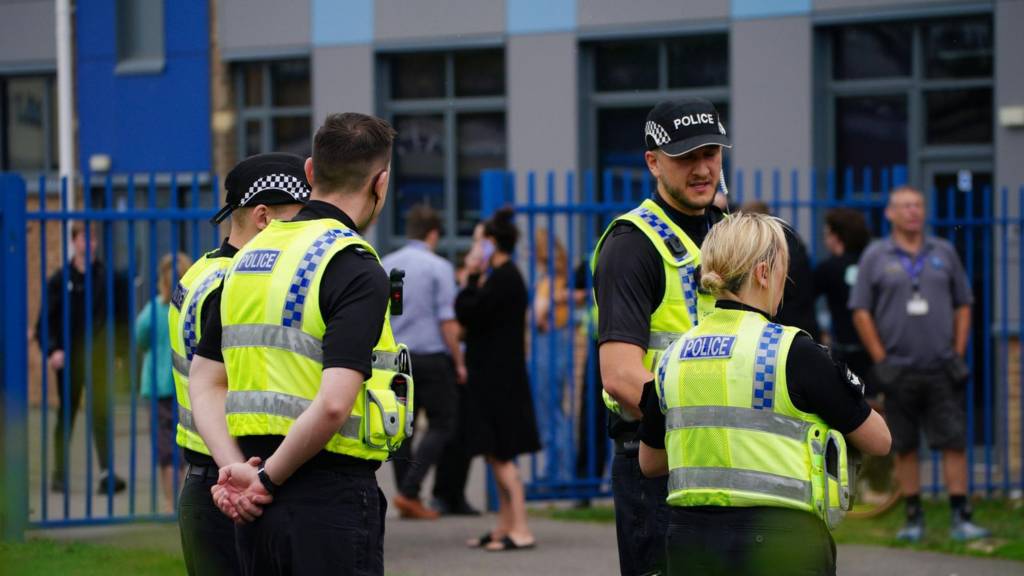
<point x="917" y="305"/>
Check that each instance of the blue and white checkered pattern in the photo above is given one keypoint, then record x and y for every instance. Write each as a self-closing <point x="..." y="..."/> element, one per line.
<point x="295" y="301"/>
<point x="189" y="327"/>
<point x="687" y="275"/>
<point x="659" y="226"/>
<point x="766" y="361"/>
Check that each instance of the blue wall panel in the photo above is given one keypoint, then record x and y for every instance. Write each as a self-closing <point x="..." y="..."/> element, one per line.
<point x="532" y="16"/>
<point x="337" y="23"/>
<point x="154" y="121"/>
<point x="769" y="8"/>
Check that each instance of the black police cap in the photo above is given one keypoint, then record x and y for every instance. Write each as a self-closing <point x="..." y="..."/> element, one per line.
<point x="271" y="179"/>
<point x="679" y="126"/>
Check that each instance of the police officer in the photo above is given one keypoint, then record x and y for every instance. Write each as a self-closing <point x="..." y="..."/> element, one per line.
<point x="646" y="292"/>
<point x="317" y="394"/>
<point x="259" y="189"/>
<point x="748" y="419"/>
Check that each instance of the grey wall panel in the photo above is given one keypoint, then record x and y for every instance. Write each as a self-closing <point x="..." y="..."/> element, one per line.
<point x="600" y="13"/>
<point x="1009" y="90"/>
<point x="27" y="35"/>
<point x="844" y="5"/>
<point x="542" y="105"/>
<point x="400" y="20"/>
<point x="771" y="74"/>
<point x="263" y="25"/>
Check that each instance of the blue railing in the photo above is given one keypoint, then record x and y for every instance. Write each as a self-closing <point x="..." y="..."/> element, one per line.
<point x="578" y="210"/>
<point x="134" y="221"/>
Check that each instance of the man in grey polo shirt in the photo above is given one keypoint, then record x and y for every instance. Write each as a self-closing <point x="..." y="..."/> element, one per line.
<point x="428" y="327"/>
<point x="912" y="309"/>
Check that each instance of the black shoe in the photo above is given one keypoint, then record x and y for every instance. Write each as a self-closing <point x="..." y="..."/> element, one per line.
<point x="119" y="484"/>
<point x="463" y="509"/>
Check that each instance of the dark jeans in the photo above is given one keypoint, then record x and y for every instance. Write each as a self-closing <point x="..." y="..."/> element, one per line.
<point x="321" y="522"/>
<point x="453" y="466"/>
<point x="207" y="535"/>
<point x="641" y="516"/>
<point x="100" y="416"/>
<point x="434" y="375"/>
<point x="750" y="541"/>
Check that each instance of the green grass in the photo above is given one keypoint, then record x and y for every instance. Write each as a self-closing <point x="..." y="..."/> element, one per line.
<point x="49" y="558"/>
<point x="1003" y="517"/>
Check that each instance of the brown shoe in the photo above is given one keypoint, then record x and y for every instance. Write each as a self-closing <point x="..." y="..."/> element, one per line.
<point x="414" y="509"/>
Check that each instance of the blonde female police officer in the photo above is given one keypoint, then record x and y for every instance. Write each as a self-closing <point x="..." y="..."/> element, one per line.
<point x="750" y="420"/>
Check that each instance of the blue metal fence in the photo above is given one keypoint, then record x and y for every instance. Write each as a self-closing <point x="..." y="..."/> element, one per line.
<point x="134" y="220"/>
<point x="578" y="209"/>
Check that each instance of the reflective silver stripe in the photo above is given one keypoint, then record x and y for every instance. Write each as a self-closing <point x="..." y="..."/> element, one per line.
<point x="741" y="480"/>
<point x="185" y="419"/>
<point x="273" y="336"/>
<point x="386" y="361"/>
<point x="662" y="340"/>
<point x="180" y="363"/>
<point x="732" y="417"/>
<point x="280" y="404"/>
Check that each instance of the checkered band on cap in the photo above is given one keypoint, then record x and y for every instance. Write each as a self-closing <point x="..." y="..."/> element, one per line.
<point x="295" y="300"/>
<point x="189" y="327"/>
<point x="287" y="183"/>
<point x="766" y="360"/>
<point x="655" y="132"/>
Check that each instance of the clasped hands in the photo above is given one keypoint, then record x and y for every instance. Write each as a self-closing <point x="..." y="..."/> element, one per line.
<point x="238" y="493"/>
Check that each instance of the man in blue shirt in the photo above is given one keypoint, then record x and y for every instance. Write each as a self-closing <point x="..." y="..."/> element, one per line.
<point x="428" y="327"/>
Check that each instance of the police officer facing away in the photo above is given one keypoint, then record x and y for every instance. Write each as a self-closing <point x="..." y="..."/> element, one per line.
<point x="748" y="419"/>
<point x="646" y="291"/>
<point x="259" y="189"/>
<point x="310" y="385"/>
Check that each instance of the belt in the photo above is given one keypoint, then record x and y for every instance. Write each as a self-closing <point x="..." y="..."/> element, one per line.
<point x="204" y="472"/>
<point x="627" y="447"/>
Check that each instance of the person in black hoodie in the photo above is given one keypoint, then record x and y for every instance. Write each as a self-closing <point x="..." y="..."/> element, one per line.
<point x="62" y="354"/>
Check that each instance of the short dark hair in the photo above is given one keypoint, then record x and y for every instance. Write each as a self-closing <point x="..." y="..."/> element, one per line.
<point x="851" y="228"/>
<point x="502" y="227"/>
<point x="78" y="227"/>
<point x="420" y="221"/>
<point x="347" y="148"/>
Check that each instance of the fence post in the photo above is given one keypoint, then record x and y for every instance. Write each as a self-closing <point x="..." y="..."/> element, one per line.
<point x="14" y="506"/>
<point x="493" y="194"/>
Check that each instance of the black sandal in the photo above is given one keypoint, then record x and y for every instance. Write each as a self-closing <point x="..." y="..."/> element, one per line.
<point x="508" y="544"/>
<point x="481" y="541"/>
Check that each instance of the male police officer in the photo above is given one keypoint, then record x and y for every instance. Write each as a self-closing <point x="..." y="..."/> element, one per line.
<point x="646" y="292"/>
<point x="316" y="390"/>
<point x="261" y="188"/>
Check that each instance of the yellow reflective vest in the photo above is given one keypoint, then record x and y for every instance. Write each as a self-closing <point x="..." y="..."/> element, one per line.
<point x="733" y="436"/>
<point x="183" y="321"/>
<point x="682" y="305"/>
<point x="272" y="341"/>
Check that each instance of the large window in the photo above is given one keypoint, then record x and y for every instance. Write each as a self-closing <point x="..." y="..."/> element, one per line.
<point x="274" y="106"/>
<point x="449" y="111"/>
<point x="28" y="124"/>
<point x="140" y="35"/>
<point x="900" y="93"/>
<point x="624" y="79"/>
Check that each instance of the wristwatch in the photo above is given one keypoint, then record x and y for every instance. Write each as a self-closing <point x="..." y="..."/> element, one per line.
<point x="265" y="480"/>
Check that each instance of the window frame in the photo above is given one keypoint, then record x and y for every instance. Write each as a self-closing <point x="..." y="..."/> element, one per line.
<point x="50" y="152"/>
<point x="449" y="108"/>
<point x="128" y="64"/>
<point x="912" y="87"/>
<point x="266" y="112"/>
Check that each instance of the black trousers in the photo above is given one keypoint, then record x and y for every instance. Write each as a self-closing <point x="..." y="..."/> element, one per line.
<point x="761" y="541"/>
<point x="320" y="522"/>
<point x="434" y="375"/>
<point x="207" y="535"/>
<point x="453" y="466"/>
<point x="100" y="414"/>
<point x="641" y="516"/>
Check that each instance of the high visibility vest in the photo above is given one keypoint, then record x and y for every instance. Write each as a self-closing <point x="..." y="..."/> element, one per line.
<point x="733" y="436"/>
<point x="682" y="305"/>
<point x="183" y="321"/>
<point x="273" y="343"/>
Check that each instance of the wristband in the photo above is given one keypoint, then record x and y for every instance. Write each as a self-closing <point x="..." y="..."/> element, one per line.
<point x="268" y="484"/>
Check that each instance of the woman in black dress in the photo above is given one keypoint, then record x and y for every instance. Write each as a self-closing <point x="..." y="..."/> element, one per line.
<point x="500" y="424"/>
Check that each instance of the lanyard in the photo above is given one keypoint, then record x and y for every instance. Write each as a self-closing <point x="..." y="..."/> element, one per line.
<point x="914" y="267"/>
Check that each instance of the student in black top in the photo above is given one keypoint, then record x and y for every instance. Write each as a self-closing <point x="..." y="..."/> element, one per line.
<point x="846" y="236"/>
<point x="207" y="536"/>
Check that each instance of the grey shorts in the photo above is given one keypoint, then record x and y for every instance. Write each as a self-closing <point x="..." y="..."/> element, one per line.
<point x="930" y="399"/>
